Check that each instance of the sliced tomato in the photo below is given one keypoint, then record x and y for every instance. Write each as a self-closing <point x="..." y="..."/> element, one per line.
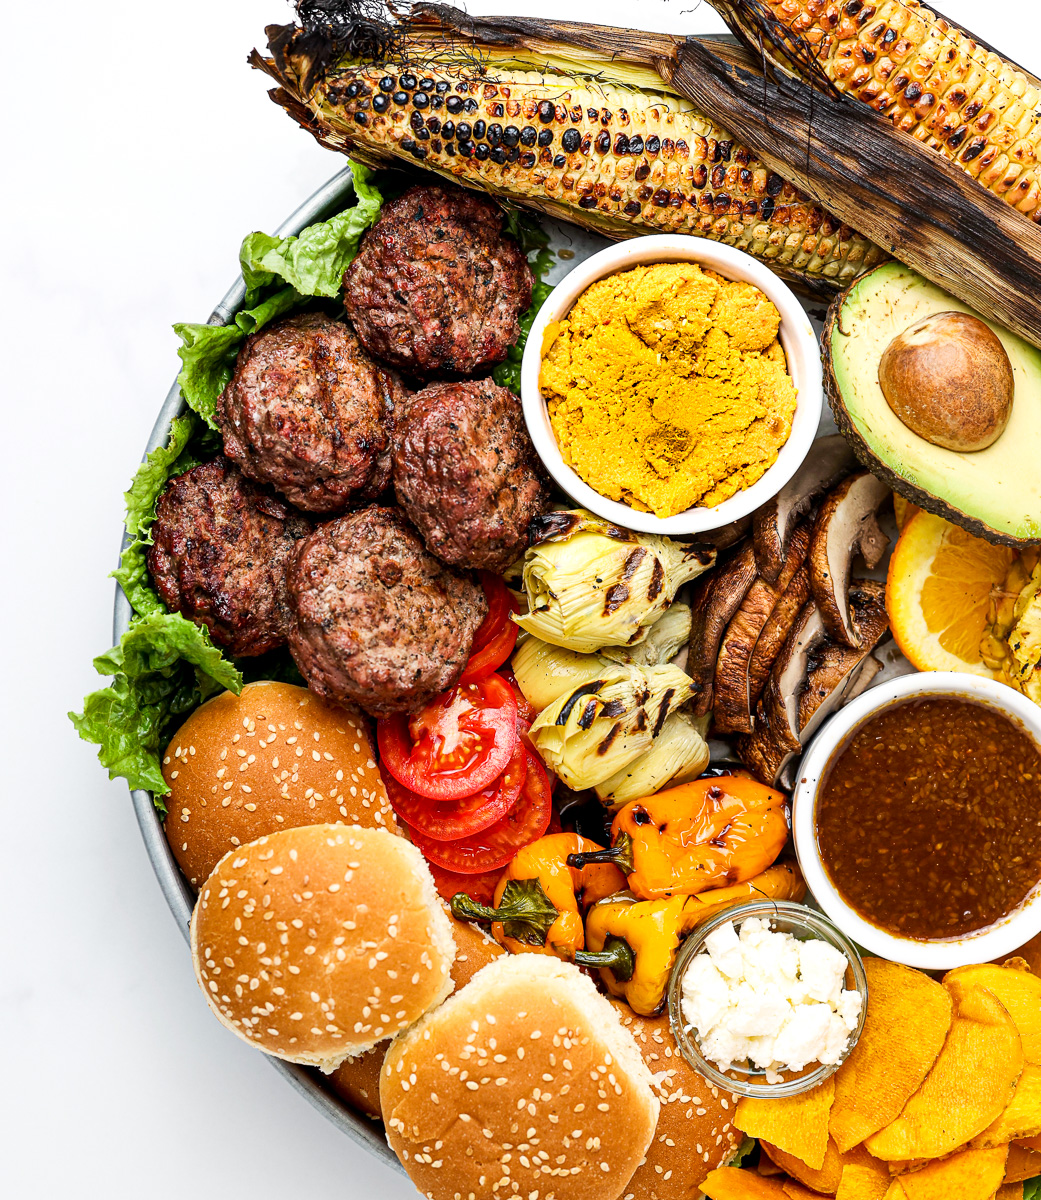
<point x="478" y="887"/>
<point x="494" y="640"/>
<point x="526" y="712"/>
<point x="454" y="746"/>
<point x="447" y="820"/>
<point x="494" y="847"/>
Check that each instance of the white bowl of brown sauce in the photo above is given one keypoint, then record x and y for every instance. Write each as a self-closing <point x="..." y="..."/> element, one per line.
<point x="917" y="820"/>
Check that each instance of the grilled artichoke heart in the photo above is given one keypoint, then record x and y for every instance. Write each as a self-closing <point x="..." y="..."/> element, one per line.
<point x="594" y="730"/>
<point x="665" y="639"/>
<point x="592" y="584"/>
<point x="677" y="754"/>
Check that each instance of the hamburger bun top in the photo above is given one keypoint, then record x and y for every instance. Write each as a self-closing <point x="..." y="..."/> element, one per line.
<point x="523" y="1083"/>
<point x="272" y="758"/>
<point x="695" y="1133"/>
<point x="357" y="1080"/>
<point x="316" y="943"/>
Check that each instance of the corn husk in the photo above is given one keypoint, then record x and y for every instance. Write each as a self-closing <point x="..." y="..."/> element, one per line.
<point x="594" y="730"/>
<point x="678" y="753"/>
<point x="592" y="584"/>
<point x="665" y="639"/>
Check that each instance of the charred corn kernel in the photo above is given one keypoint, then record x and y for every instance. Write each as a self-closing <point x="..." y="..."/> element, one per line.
<point x="619" y="158"/>
<point x="540" y="899"/>
<point x="931" y="79"/>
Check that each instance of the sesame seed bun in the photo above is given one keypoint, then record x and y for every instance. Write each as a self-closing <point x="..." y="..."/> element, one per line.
<point x="523" y="1083"/>
<point x="694" y="1134"/>
<point x="272" y="758"/>
<point x="357" y="1081"/>
<point x="314" y="944"/>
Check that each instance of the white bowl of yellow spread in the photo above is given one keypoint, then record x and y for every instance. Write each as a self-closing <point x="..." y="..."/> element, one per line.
<point x="667" y="389"/>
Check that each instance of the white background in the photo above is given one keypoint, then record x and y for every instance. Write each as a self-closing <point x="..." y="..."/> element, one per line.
<point x="138" y="149"/>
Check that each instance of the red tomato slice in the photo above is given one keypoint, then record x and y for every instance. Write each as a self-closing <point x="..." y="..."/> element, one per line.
<point x="445" y="821"/>
<point x="500" y="605"/>
<point x="526" y="712"/>
<point x="456" y="745"/>
<point x="494" y="641"/>
<point x="478" y="887"/>
<point x="492" y="655"/>
<point x="493" y="849"/>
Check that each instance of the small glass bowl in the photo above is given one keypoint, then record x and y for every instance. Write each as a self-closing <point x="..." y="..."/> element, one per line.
<point x="784" y="917"/>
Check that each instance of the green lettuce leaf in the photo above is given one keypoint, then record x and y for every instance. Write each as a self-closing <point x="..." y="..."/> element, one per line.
<point x="163" y="668"/>
<point x="507" y="373"/>
<point x="1032" y="1188"/>
<point x="313" y="262"/>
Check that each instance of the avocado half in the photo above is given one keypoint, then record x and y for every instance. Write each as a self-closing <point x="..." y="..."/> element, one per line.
<point x="994" y="493"/>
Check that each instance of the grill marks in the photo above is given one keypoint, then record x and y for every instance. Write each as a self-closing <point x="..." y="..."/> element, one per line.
<point x="618" y="593"/>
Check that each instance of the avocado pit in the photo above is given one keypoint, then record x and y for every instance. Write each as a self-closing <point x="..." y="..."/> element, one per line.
<point x="949" y="379"/>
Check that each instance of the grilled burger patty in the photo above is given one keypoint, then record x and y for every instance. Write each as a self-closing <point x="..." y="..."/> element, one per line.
<point x="377" y="620"/>
<point x="466" y="473"/>
<point x="437" y="287"/>
<point x="219" y="555"/>
<point x="309" y="412"/>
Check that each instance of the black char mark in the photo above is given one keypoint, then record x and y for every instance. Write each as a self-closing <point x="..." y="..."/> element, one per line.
<point x="618" y="593"/>
<point x="587" y="689"/>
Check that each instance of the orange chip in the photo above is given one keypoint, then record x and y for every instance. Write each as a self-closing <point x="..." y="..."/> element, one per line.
<point x="731" y="1183"/>
<point x="795" y="1191"/>
<point x="970" y="1175"/>
<point x="1031" y="954"/>
<point x="1020" y="993"/>
<point x="970" y="1085"/>
<point x="895" y="1192"/>
<point x="1022" y="1118"/>
<point x="1022" y="1163"/>
<point x="908" y="1017"/>
<point x="795" y="1124"/>
<point x="1009" y="1191"/>
<point x="1031" y="1143"/>
<point x="863" y="1177"/>
<point x="826" y="1179"/>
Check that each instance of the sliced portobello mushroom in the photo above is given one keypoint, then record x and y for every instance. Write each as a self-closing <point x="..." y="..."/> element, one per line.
<point x="727" y="535"/>
<point x="812" y="678"/>
<point x="717" y="595"/>
<point x="774" y="523"/>
<point x="732" y="708"/>
<point x="846" y="525"/>
<point x="775" y="633"/>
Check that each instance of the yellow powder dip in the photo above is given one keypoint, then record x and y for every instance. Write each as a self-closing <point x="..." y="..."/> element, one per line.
<point x="667" y="387"/>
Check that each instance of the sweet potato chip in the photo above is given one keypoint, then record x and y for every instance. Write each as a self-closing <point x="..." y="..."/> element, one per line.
<point x="795" y="1124"/>
<point x="968" y="1088"/>
<point x="1022" y="1117"/>
<point x="970" y="1175"/>
<point x="1018" y="991"/>
<point x="1031" y="1143"/>
<point x="908" y="1017"/>
<point x="1031" y="954"/>
<point x="1022" y="1163"/>
<point x="863" y="1177"/>
<point x="731" y="1183"/>
<point x="1009" y="1191"/>
<point x="896" y="1192"/>
<point x="795" y="1191"/>
<point x="824" y="1180"/>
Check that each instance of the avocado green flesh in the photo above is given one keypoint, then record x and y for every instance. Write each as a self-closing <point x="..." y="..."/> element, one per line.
<point x="998" y="488"/>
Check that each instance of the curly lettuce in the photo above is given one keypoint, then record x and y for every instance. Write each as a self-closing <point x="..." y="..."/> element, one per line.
<point x="534" y="241"/>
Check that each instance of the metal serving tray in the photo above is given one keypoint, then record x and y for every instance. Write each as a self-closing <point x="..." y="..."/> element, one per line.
<point x="571" y="245"/>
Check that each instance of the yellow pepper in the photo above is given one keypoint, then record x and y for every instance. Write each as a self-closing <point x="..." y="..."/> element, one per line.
<point x="540" y="899"/>
<point x="700" y="835"/>
<point x="633" y="942"/>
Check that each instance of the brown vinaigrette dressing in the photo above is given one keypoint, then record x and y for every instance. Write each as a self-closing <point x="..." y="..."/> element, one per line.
<point x="929" y="821"/>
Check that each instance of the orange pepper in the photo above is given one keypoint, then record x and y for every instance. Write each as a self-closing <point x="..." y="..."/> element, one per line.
<point x="710" y="833"/>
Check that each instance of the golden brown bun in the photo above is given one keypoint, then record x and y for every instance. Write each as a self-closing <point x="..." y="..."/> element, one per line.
<point x="694" y="1133"/>
<point x="316" y="943"/>
<point x="272" y="758"/>
<point x="357" y="1081"/>
<point x="523" y="1083"/>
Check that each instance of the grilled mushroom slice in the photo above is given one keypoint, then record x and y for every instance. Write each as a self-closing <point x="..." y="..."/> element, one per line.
<point x="775" y="633"/>
<point x="775" y="522"/>
<point x="732" y="708"/>
<point x="716" y="597"/>
<point x="847" y="524"/>
<point x="812" y="678"/>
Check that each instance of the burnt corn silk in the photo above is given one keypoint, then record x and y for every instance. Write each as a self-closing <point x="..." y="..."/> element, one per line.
<point x="617" y="157"/>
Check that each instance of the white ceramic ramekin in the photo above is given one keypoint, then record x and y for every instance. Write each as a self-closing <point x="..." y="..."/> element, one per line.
<point x="993" y="941"/>
<point x="797" y="339"/>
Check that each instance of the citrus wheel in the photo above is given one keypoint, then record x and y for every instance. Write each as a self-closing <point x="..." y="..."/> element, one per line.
<point x="939" y="594"/>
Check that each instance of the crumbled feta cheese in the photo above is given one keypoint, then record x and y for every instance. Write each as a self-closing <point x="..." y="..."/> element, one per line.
<point x="757" y="996"/>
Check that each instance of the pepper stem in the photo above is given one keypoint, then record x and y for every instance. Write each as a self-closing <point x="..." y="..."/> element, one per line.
<point x="619" y="855"/>
<point x="617" y="956"/>
<point x="526" y="912"/>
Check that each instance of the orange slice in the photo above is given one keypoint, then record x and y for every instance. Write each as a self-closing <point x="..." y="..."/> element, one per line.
<point x="941" y="583"/>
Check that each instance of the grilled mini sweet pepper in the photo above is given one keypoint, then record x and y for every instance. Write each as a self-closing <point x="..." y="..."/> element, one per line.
<point x="700" y="835"/>
<point x="540" y="900"/>
<point x="634" y="942"/>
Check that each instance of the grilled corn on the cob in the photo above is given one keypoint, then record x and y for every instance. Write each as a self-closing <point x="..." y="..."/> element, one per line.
<point x="928" y="76"/>
<point x="619" y="158"/>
